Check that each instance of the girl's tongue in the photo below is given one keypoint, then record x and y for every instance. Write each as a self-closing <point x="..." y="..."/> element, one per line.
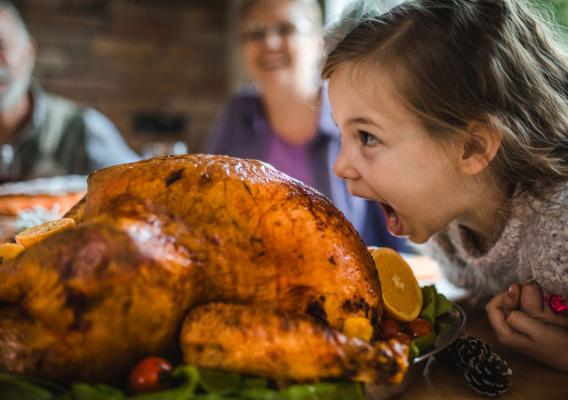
<point x="394" y="224"/>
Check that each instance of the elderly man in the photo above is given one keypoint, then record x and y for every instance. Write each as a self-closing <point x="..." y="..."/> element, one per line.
<point x="41" y="134"/>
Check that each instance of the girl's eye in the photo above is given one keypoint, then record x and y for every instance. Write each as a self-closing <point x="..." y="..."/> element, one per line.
<point x="367" y="139"/>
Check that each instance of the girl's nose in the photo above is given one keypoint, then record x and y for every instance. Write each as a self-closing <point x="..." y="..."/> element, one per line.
<point x="342" y="166"/>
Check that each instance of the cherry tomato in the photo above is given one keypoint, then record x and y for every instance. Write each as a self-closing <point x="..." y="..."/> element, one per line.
<point x="402" y="338"/>
<point x="419" y="327"/>
<point x="150" y="374"/>
<point x="388" y="329"/>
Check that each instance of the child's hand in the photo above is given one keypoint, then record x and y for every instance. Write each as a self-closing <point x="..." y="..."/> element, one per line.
<point x="523" y="322"/>
<point x="532" y="304"/>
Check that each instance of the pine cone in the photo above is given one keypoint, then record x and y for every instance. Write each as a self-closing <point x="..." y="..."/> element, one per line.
<point x="464" y="350"/>
<point x="468" y="350"/>
<point x="489" y="375"/>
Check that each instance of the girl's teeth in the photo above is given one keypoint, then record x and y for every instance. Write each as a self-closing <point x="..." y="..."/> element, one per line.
<point x="394" y="223"/>
<point x="393" y="220"/>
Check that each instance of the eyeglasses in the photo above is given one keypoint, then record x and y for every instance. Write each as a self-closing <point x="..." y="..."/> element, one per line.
<point x="257" y="32"/>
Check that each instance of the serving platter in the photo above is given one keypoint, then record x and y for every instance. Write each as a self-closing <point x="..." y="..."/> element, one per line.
<point x="418" y="364"/>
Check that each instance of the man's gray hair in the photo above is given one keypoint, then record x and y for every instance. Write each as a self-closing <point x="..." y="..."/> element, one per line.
<point x="8" y="7"/>
<point x="354" y="13"/>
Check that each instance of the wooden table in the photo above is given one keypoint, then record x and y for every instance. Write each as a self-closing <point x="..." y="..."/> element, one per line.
<point x="531" y="380"/>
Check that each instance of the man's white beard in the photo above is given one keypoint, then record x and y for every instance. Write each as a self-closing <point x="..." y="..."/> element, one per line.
<point x="16" y="89"/>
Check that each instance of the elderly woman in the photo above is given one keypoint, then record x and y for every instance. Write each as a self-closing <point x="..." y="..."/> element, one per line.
<point x="285" y="118"/>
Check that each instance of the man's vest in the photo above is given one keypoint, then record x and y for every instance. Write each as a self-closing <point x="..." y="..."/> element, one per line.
<point x="58" y="143"/>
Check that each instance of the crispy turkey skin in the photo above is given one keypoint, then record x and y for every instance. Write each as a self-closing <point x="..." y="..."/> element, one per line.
<point x="194" y="236"/>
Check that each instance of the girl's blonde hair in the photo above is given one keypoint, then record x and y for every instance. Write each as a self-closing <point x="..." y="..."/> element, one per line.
<point x="461" y="61"/>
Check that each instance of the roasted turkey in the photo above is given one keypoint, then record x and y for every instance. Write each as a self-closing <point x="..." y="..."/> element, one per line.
<point x="227" y="261"/>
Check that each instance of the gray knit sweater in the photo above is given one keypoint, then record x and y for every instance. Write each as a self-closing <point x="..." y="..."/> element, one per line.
<point x="532" y="246"/>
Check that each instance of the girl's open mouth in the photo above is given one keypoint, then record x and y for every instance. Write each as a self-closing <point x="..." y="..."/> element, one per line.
<point x="394" y="224"/>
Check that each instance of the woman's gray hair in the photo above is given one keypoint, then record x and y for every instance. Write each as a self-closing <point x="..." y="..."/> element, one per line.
<point x="8" y="7"/>
<point x="355" y="12"/>
<point x="312" y="10"/>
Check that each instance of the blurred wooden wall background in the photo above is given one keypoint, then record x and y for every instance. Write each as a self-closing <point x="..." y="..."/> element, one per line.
<point x="129" y="56"/>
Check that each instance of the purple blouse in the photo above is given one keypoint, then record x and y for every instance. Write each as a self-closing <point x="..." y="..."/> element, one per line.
<point x="293" y="159"/>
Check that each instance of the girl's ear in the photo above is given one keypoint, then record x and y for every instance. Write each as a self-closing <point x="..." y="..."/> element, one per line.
<point x="479" y="148"/>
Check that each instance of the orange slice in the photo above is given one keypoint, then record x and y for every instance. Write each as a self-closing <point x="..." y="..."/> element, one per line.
<point x="402" y="295"/>
<point x="9" y="251"/>
<point x="38" y="233"/>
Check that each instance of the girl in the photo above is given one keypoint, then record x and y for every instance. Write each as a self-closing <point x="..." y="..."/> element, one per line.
<point x="454" y="116"/>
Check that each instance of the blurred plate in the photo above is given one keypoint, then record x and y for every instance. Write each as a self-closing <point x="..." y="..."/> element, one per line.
<point x="54" y="186"/>
<point x="452" y="293"/>
<point x="428" y="272"/>
<point x="418" y="365"/>
<point x="29" y="203"/>
<point x="45" y="192"/>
